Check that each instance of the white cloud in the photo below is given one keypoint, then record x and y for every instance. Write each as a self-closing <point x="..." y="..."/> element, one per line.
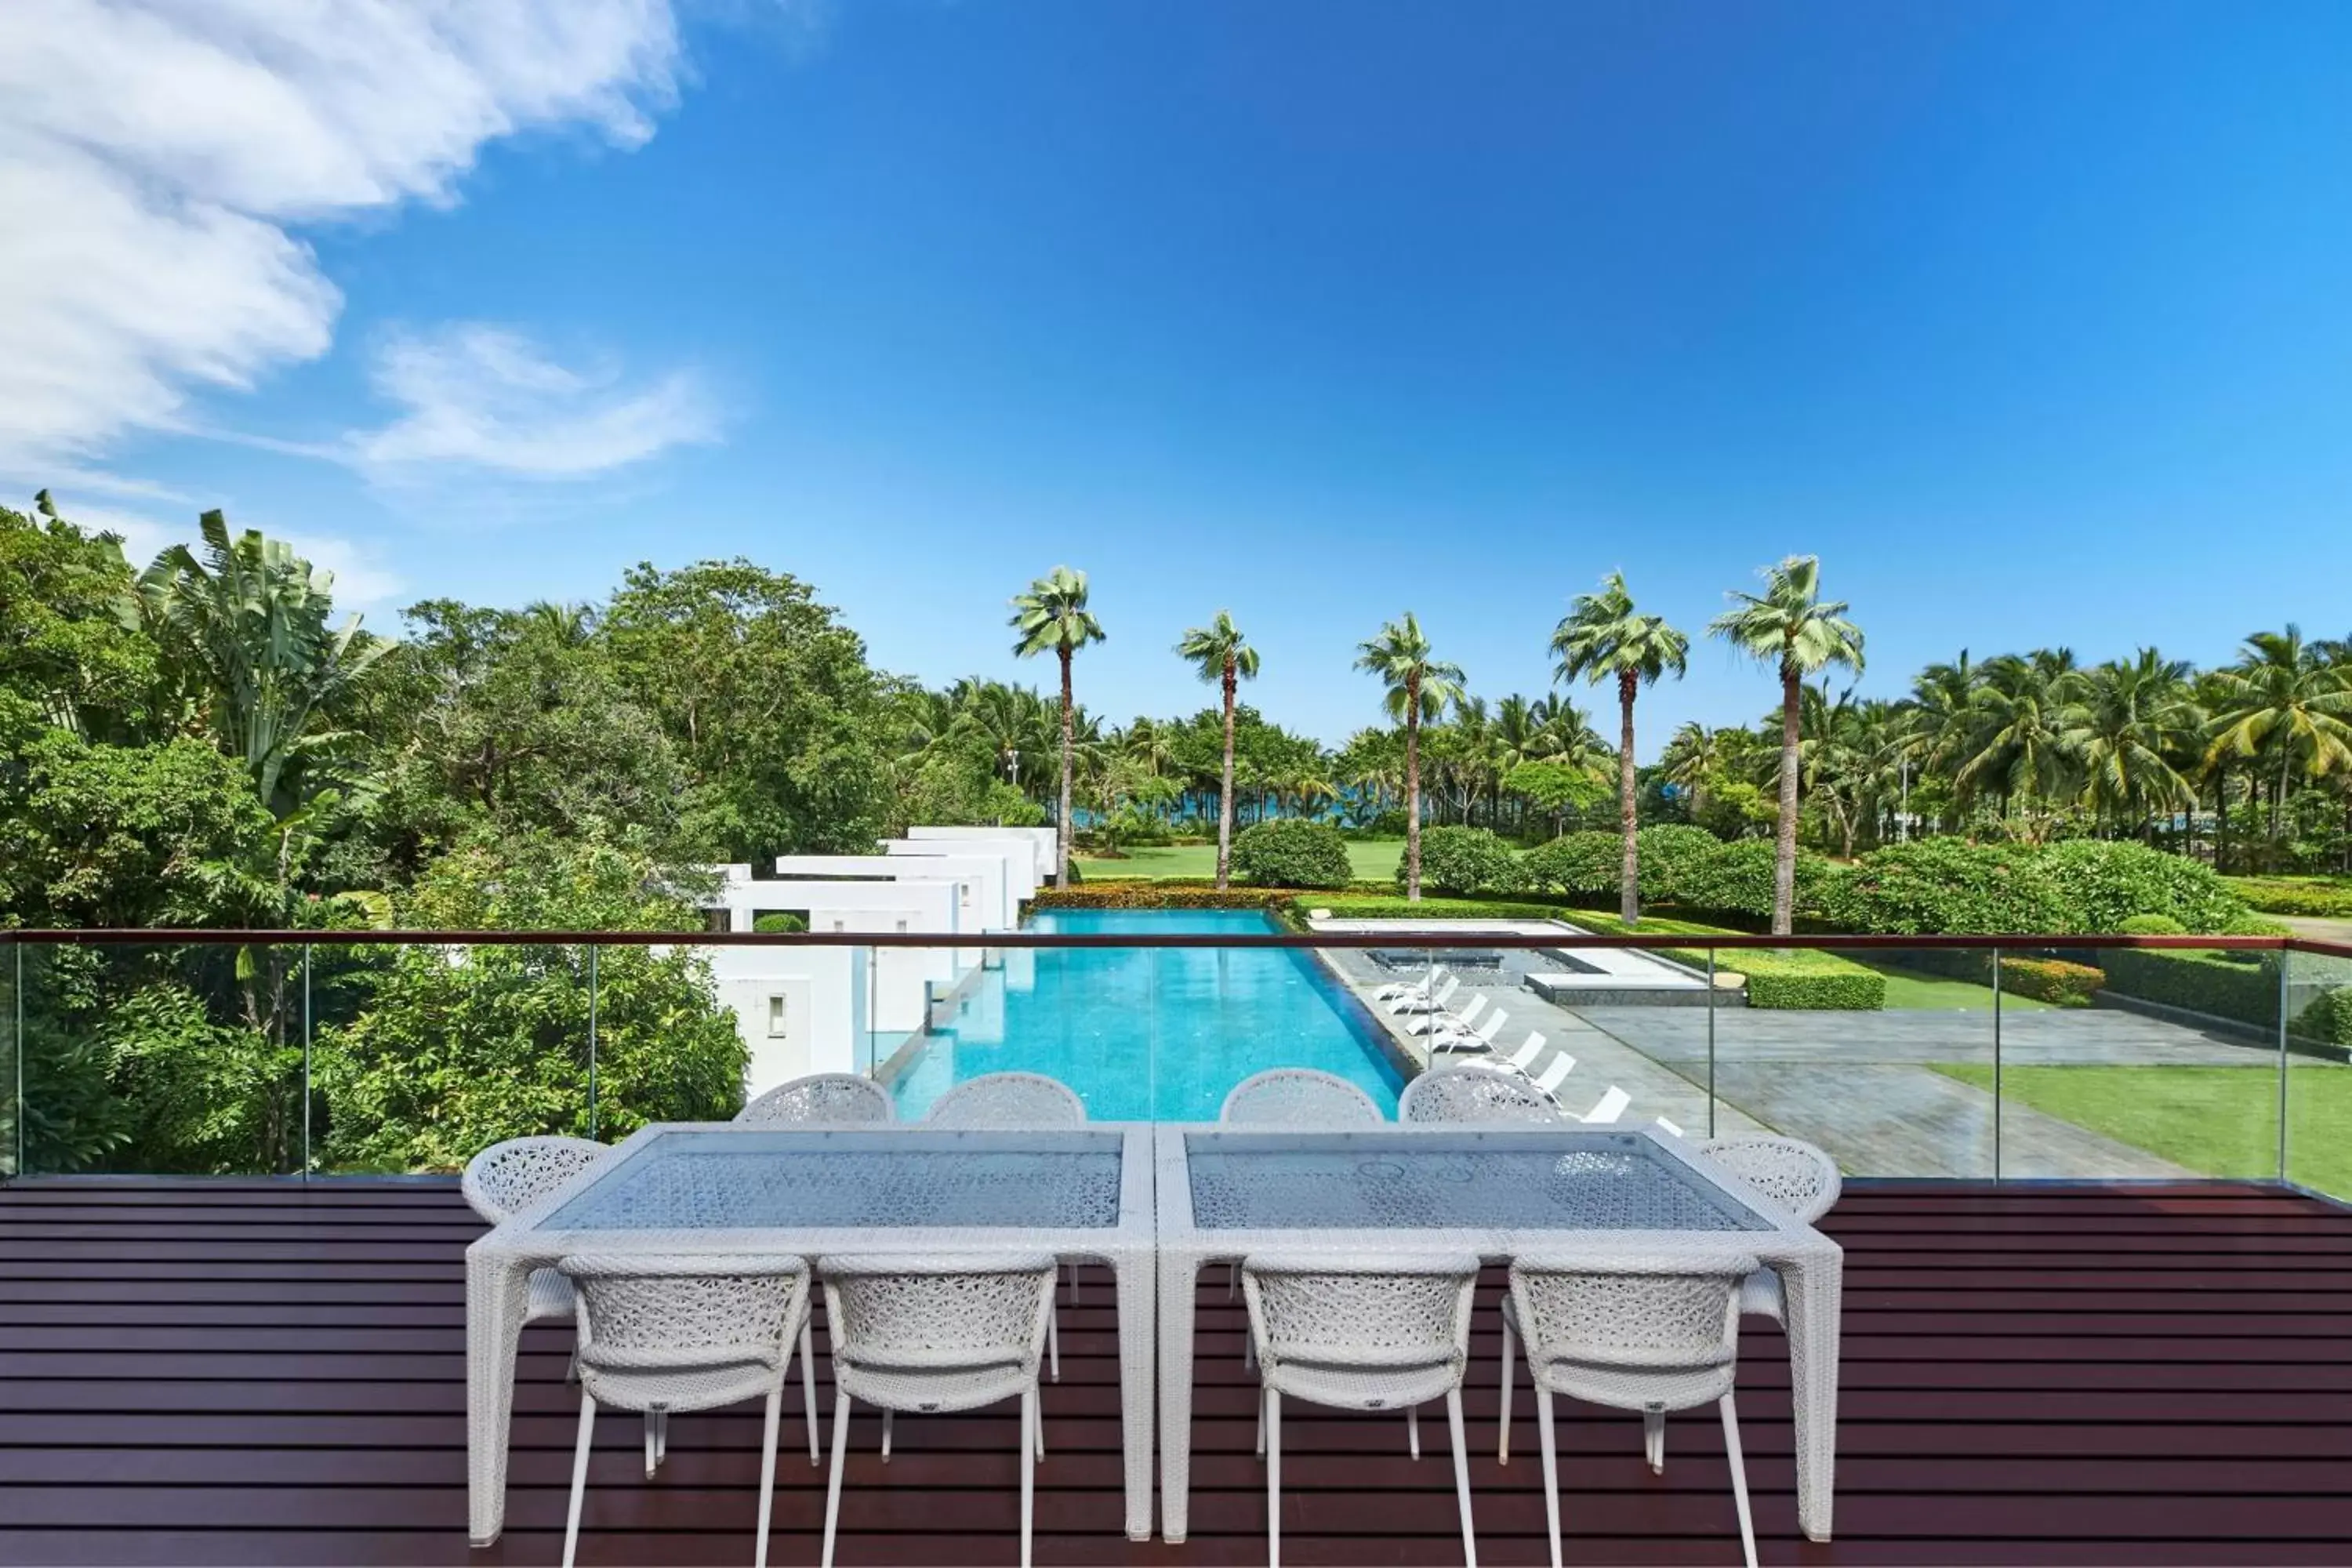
<point x="363" y="581"/>
<point x="155" y="155"/>
<point x="485" y="397"/>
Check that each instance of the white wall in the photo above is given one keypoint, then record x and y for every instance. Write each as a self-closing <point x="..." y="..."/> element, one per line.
<point x="1019" y="857"/>
<point x="821" y="1022"/>
<point x="1042" y="842"/>
<point x="979" y="879"/>
<point x="900" y="976"/>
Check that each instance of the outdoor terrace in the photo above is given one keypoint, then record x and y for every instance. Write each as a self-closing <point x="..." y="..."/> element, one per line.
<point x="273" y="1371"/>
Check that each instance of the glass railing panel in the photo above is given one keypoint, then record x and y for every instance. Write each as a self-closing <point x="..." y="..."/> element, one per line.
<point x="2318" y="1085"/>
<point x="1882" y="1057"/>
<point x="11" y="1061"/>
<point x="2141" y="1064"/>
<point x="148" y="1059"/>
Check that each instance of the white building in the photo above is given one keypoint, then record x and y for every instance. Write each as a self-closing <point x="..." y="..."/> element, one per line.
<point x="1043" y="843"/>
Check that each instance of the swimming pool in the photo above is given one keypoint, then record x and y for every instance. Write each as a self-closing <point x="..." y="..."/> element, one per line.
<point x="1151" y="1034"/>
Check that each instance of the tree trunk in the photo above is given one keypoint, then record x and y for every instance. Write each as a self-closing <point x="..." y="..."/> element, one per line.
<point x="1225" y="789"/>
<point x="1629" y="871"/>
<point x="1413" y="789"/>
<point x="1784" y="858"/>
<point x="1062" y="866"/>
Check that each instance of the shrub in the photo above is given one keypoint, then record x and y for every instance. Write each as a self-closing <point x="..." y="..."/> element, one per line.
<point x="1668" y="852"/>
<point x="2243" y="986"/>
<point x="2150" y="925"/>
<point x="776" y="922"/>
<point x="1939" y="886"/>
<point x="1795" y="978"/>
<point x="2327" y="1020"/>
<point x="1389" y="906"/>
<point x="1462" y="860"/>
<point x="1581" y="864"/>
<point x="2105" y="882"/>
<point x="2288" y="896"/>
<point x="1736" y="878"/>
<point x="1291" y="853"/>
<point x="1171" y="893"/>
<point x="2052" y="980"/>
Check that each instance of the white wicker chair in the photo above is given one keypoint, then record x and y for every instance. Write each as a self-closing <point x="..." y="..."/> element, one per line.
<point x="693" y="1332"/>
<point x="1014" y="1099"/>
<point x="507" y="1178"/>
<point x="823" y="1097"/>
<point x="1008" y="1099"/>
<point x="938" y="1334"/>
<point x="1793" y="1173"/>
<point x="1298" y="1097"/>
<point x="1360" y="1333"/>
<point x="1474" y="1092"/>
<point x="1651" y="1333"/>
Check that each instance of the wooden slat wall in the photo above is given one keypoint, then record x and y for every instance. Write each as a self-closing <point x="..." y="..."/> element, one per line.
<point x="261" y="1373"/>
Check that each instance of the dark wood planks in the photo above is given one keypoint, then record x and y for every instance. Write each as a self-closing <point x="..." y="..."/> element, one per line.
<point x="257" y="1371"/>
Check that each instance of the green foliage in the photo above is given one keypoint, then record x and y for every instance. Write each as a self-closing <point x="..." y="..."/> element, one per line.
<point x="2052" y="980"/>
<point x="2150" y="925"/>
<point x="2243" y="986"/>
<point x="1735" y="879"/>
<point x="1950" y="885"/>
<point x="1555" y="787"/>
<point x="1164" y="894"/>
<point x="1290" y="852"/>
<point x="1584" y="864"/>
<point x="1463" y="861"/>
<point x="2320" y="899"/>
<point x="1799" y="979"/>
<point x="63" y="646"/>
<point x="2327" y="1019"/>
<point x="2105" y="882"/>
<point x="199" y="1096"/>
<point x="779" y="922"/>
<point x="452" y="1051"/>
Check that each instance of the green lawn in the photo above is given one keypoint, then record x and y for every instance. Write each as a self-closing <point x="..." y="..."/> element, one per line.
<point x="2222" y="1121"/>
<point x="1909" y="991"/>
<point x="1372" y="859"/>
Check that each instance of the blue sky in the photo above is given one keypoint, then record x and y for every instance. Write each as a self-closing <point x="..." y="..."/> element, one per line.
<point x="2030" y="319"/>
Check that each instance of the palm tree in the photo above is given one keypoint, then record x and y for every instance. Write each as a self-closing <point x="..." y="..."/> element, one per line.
<point x="1791" y="626"/>
<point x="2128" y="723"/>
<point x="1418" y="687"/>
<point x="248" y="622"/>
<point x="2019" y="749"/>
<point x="1222" y="654"/>
<point x="1694" y="755"/>
<point x="1603" y="636"/>
<point x="2286" y="700"/>
<point x="1053" y="615"/>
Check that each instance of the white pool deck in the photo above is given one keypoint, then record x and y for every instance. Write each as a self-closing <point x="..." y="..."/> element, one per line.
<point x="1610" y="968"/>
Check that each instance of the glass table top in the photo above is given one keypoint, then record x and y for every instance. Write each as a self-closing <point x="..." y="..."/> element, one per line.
<point x="796" y="1179"/>
<point x="1482" y="1180"/>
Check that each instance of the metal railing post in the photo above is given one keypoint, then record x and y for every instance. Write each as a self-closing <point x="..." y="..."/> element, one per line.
<point x="2285" y="959"/>
<point x="1996" y="1063"/>
<point x="309" y="1159"/>
<point x="1710" y="1042"/>
<point x="591" y="1040"/>
<point x="16" y="1004"/>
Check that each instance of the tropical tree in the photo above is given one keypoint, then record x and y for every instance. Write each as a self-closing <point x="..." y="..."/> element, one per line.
<point x="1603" y="636"/>
<point x="1790" y="626"/>
<point x="247" y="623"/>
<point x="2131" y="717"/>
<point x="1418" y="686"/>
<point x="1052" y="616"/>
<point x="2286" y="703"/>
<point x="1222" y="654"/>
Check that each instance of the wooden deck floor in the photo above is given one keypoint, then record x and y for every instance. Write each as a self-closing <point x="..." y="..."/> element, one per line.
<point x="254" y="1372"/>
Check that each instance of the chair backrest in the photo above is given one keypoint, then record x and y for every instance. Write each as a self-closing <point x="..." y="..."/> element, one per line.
<point x="1493" y="1026"/>
<point x="1298" y="1097"/>
<point x="1469" y="1013"/>
<point x="823" y="1097"/>
<point x="1609" y="1107"/>
<point x="1008" y="1099"/>
<point x="1556" y="1074"/>
<point x="683" y="1311"/>
<point x="510" y="1176"/>
<point x="936" y="1314"/>
<point x="1396" y="1311"/>
<point x="1791" y="1172"/>
<point x="1597" y="1325"/>
<point x="1444" y="992"/>
<point x="1473" y="1093"/>
<point x="1530" y="1049"/>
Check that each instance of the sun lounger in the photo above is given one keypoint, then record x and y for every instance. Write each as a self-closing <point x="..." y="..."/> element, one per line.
<point x="1432" y="1003"/>
<point x="1482" y="1038"/>
<point x="1398" y="989"/>
<point x="1611" y="1107"/>
<point x="1443" y="1023"/>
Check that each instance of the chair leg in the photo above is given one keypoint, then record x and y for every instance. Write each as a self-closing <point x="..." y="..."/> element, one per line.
<point x="1462" y="1474"/>
<point x="1738" y="1477"/>
<point x="808" y="1391"/>
<point x="1550" y="1466"/>
<point x="1261" y="1421"/>
<point x="1273" y="1479"/>
<point x="1249" y="1348"/>
<point x="1233" y="1280"/>
<point x="1653" y="1440"/>
<point x="1503" y="1422"/>
<point x="833" y="1487"/>
<point x="572" y="1369"/>
<point x="887" y="1424"/>
<point x="767" y="1469"/>
<point x="579" y="1474"/>
<point x="661" y="1438"/>
<point x="653" y="1461"/>
<point x="1053" y="1343"/>
<point x="1028" y="1470"/>
<point x="1412" y="1429"/>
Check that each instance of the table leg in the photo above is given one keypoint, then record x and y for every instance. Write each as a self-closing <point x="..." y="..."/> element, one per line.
<point x="497" y="1292"/>
<point x="1136" y="1276"/>
<point x="1813" y="1290"/>
<point x="1179" y="1274"/>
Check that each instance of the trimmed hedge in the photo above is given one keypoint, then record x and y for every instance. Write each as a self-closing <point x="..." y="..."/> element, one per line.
<point x="1736" y="878"/>
<point x="2317" y="898"/>
<point x="1948" y="885"/>
<point x="2052" y="980"/>
<point x="1585" y="863"/>
<point x="1393" y="907"/>
<point x="2328" y="1018"/>
<point x="1457" y="859"/>
<point x="1171" y="894"/>
<point x="2150" y="925"/>
<point x="2103" y="882"/>
<point x="2243" y="986"/>
<point x="1291" y="853"/>
<point x="779" y="922"/>
<point x="1773" y="982"/>
<point x="1588" y="864"/>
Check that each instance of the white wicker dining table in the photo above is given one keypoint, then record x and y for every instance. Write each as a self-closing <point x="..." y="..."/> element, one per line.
<point x="1496" y="1192"/>
<point x="1083" y="1194"/>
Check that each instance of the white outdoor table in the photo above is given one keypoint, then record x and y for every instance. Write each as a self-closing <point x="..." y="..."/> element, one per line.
<point x="1083" y="1194"/>
<point x="1495" y="1190"/>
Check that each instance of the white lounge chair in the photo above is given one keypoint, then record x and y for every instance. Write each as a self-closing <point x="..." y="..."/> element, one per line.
<point x="1524" y="1058"/>
<point x="1432" y="1002"/>
<point x="1610" y="1107"/>
<point x="1556" y="1075"/>
<point x="1397" y="988"/>
<point x="1481" y="1039"/>
<point x="1449" y="1022"/>
<point x="1662" y="1125"/>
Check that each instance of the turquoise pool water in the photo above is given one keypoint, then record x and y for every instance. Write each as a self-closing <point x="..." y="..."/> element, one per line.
<point x="1152" y="1034"/>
